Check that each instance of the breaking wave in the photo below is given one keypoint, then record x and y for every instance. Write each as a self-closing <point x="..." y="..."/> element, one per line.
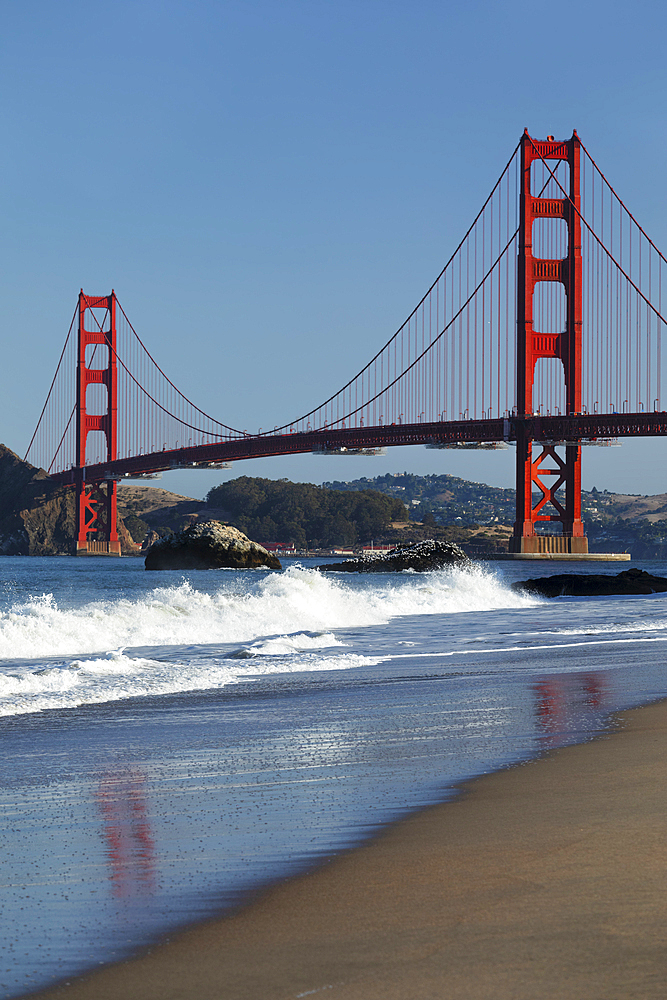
<point x="178" y="638"/>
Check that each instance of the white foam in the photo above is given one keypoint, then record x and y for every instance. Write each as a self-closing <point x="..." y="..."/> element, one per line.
<point x="295" y="601"/>
<point x="118" y="676"/>
<point x="613" y="628"/>
<point x="282" y="622"/>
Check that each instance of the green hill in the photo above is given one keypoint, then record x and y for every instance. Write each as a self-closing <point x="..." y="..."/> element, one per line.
<point x="280" y="511"/>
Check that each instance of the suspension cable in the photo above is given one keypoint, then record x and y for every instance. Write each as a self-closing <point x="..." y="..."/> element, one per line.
<point x="234" y="430"/>
<point x="421" y="301"/>
<point x="440" y="335"/>
<point x="621" y="203"/>
<point x="60" y="361"/>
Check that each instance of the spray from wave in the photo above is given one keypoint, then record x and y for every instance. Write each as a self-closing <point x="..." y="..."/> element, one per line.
<point x="282" y="622"/>
<point x="297" y="600"/>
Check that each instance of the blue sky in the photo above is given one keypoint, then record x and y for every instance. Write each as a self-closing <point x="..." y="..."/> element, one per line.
<point x="270" y="187"/>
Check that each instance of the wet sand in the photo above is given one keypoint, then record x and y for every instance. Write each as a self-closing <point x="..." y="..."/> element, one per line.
<point x="542" y="882"/>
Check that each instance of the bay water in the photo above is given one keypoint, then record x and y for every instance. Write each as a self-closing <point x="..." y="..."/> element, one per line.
<point x="171" y="742"/>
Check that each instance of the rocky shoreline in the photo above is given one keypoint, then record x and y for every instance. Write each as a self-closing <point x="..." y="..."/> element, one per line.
<point x="630" y="581"/>
<point x="420" y="557"/>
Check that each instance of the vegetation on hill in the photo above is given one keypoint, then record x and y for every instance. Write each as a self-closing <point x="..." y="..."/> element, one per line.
<point x="36" y="516"/>
<point x="280" y="511"/>
<point x="613" y="522"/>
<point x="444" y="500"/>
<point x="149" y="508"/>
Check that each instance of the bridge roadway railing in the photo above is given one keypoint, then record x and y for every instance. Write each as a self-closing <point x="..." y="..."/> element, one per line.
<point x="552" y="429"/>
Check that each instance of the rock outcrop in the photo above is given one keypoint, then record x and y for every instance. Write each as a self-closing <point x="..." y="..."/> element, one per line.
<point x="209" y="545"/>
<point x="34" y="512"/>
<point x="418" y="556"/>
<point x="630" y="581"/>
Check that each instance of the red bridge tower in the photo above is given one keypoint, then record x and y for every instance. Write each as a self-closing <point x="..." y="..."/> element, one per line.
<point x="564" y="345"/>
<point x="96" y="365"/>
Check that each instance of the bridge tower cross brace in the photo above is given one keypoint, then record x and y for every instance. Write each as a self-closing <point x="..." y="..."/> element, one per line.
<point x="564" y="345"/>
<point x="96" y="501"/>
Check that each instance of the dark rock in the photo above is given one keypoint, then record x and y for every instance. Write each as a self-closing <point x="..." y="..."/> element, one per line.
<point x="418" y="556"/>
<point x="208" y="545"/>
<point x="630" y="581"/>
<point x="151" y="539"/>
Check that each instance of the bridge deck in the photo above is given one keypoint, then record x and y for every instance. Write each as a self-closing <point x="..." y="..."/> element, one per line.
<point x="554" y="429"/>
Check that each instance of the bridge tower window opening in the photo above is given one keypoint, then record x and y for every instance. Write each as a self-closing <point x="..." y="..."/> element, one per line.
<point x="550" y="239"/>
<point x="97" y="402"/>
<point x="96" y="357"/>
<point x="549" y="387"/>
<point x="544" y="185"/>
<point x="549" y="310"/>
<point x="98" y="319"/>
<point x="96" y="447"/>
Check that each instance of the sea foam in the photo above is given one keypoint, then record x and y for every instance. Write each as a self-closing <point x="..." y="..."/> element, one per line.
<point x="297" y="600"/>
<point x="178" y="638"/>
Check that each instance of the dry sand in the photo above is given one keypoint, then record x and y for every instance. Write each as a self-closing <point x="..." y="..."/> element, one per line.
<point x="542" y="882"/>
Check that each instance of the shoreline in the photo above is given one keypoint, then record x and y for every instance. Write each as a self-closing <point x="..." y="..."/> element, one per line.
<point x="544" y="879"/>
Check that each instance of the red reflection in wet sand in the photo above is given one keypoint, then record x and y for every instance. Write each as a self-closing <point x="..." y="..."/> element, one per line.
<point x="558" y="698"/>
<point x="123" y="804"/>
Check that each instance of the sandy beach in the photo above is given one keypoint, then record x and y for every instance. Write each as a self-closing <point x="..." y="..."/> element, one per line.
<point x="543" y="880"/>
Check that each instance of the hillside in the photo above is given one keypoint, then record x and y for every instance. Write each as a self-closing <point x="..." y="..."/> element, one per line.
<point x="148" y="508"/>
<point x="446" y="508"/>
<point x="614" y="522"/>
<point x="267" y="511"/>
<point x="273" y="511"/>
<point x="37" y="517"/>
<point x="444" y="500"/>
<point x="452" y="500"/>
<point x="145" y="509"/>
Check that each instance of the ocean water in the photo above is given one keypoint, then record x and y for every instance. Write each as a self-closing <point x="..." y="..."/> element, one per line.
<point x="171" y="742"/>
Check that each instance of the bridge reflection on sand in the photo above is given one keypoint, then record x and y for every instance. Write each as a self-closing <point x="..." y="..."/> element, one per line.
<point x="130" y="848"/>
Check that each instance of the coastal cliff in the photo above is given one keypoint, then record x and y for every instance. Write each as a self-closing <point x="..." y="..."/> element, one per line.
<point x="37" y="517"/>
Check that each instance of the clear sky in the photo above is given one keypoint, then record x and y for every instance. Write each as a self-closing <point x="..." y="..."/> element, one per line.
<point x="270" y="187"/>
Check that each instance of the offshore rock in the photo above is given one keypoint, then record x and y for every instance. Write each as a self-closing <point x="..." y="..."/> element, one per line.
<point x="208" y="545"/>
<point x="417" y="556"/>
<point x="630" y="581"/>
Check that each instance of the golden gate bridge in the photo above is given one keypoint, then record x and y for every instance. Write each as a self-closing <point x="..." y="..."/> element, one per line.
<point x="544" y="329"/>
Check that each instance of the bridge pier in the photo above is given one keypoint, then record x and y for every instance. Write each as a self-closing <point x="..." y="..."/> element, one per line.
<point x="97" y="514"/>
<point x="94" y="548"/>
<point x="549" y="545"/>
